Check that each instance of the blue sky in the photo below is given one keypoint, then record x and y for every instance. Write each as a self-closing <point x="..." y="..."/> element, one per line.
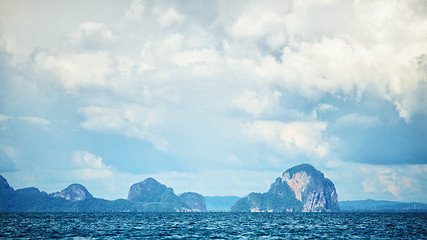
<point x="214" y="97"/>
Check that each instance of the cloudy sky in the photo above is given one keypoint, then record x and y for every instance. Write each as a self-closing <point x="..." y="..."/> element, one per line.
<point x="216" y="97"/>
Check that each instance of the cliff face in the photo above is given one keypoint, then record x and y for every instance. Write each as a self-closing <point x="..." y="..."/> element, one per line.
<point x="194" y="201"/>
<point x="74" y="192"/>
<point x="310" y="186"/>
<point x="4" y="185"/>
<point x="151" y="191"/>
<point x="299" y="189"/>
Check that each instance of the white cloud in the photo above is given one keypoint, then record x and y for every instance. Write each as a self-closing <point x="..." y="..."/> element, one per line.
<point x="78" y="70"/>
<point x="3" y="118"/>
<point x="368" y="187"/>
<point x="357" y="181"/>
<point x="36" y="121"/>
<point x="87" y="159"/>
<point x="398" y="181"/>
<point x="256" y="103"/>
<point x="376" y="50"/>
<point x="89" y="166"/>
<point x="330" y="66"/>
<point x="186" y="58"/>
<point x="132" y="121"/>
<point x="266" y="26"/>
<point x="91" y="35"/>
<point x="135" y="11"/>
<point x="167" y="17"/>
<point x="357" y="120"/>
<point x="322" y="51"/>
<point x="7" y="154"/>
<point x="387" y="178"/>
<point x="172" y="75"/>
<point x="323" y="108"/>
<point x="29" y="119"/>
<point x="294" y="138"/>
<point x="174" y="41"/>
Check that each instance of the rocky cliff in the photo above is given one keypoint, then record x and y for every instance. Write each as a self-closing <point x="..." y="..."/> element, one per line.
<point x="4" y="185"/>
<point x="194" y="201"/>
<point x="151" y="191"/>
<point x="299" y="189"/>
<point x="74" y="192"/>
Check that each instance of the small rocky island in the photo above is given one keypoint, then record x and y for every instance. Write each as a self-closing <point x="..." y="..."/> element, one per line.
<point x="299" y="189"/>
<point x="152" y="193"/>
<point x="74" y="192"/>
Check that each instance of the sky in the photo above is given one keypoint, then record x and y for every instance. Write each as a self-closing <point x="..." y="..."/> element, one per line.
<point x="215" y="97"/>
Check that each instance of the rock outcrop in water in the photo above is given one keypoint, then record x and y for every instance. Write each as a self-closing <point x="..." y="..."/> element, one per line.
<point x="299" y="189"/>
<point x="194" y="201"/>
<point x="4" y="185"/>
<point x="151" y="191"/>
<point x="370" y="205"/>
<point x="74" y="192"/>
<point x="147" y="196"/>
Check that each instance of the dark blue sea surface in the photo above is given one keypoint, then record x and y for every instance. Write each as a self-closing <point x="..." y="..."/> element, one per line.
<point x="213" y="225"/>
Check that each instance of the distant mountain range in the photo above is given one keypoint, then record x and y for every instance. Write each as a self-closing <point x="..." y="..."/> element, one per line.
<point x="220" y="203"/>
<point x="224" y="203"/>
<point x="381" y="206"/>
<point x="146" y="196"/>
<point x="299" y="189"/>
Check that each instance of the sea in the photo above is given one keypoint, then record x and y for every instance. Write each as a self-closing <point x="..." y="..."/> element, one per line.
<point x="213" y="225"/>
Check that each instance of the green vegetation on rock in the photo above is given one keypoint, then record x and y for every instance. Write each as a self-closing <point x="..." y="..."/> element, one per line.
<point x="300" y="189"/>
<point x="152" y="197"/>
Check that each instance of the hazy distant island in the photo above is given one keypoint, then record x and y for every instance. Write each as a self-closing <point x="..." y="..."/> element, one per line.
<point x="370" y="205"/>
<point x="220" y="203"/>
<point x="300" y="189"/>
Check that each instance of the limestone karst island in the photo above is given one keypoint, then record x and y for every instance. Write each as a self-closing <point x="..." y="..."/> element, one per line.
<point x="299" y="189"/>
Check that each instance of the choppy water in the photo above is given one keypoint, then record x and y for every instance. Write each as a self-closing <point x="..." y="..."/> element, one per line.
<point x="213" y="225"/>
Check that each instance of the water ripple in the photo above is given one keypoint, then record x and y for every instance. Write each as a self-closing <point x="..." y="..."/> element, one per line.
<point x="213" y="225"/>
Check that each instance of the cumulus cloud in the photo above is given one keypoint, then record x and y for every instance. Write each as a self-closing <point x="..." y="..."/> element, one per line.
<point x="89" y="166"/>
<point x="294" y="138"/>
<point x="92" y="36"/>
<point x="135" y="10"/>
<point x="255" y="102"/>
<point x="322" y="109"/>
<point x="167" y="17"/>
<point x="335" y="66"/>
<point x="262" y="24"/>
<point x="78" y="70"/>
<point x="358" y="181"/>
<point x="31" y="120"/>
<point x="131" y="120"/>
<point x="204" y="81"/>
<point x="349" y="63"/>
<point x="357" y="120"/>
<point x="397" y="181"/>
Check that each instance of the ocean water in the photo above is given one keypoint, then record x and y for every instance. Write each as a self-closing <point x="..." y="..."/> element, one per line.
<point x="213" y="225"/>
